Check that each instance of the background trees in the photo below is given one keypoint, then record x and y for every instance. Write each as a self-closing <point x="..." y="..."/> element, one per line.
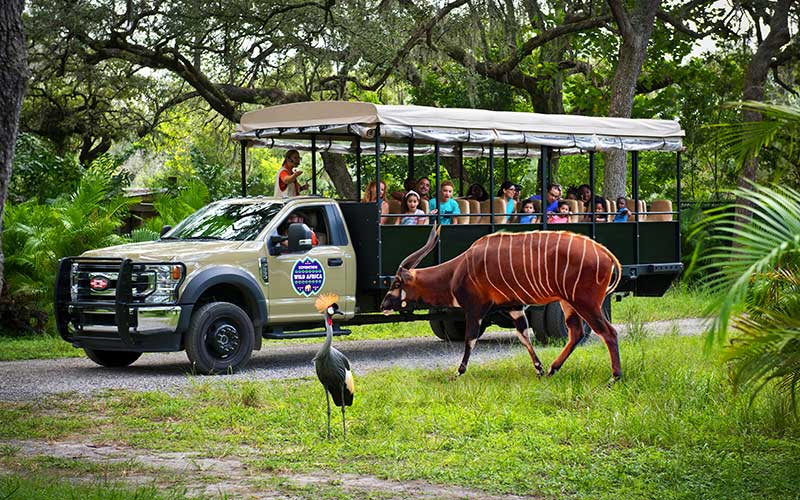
<point x="158" y="85"/>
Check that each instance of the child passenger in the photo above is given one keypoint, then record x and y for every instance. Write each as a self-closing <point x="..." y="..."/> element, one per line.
<point x="562" y="216"/>
<point x="445" y="206"/>
<point x="527" y="216"/>
<point x="623" y="214"/>
<point x="412" y="215"/>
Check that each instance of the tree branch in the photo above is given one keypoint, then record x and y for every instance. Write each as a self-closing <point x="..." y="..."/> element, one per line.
<point x="419" y="34"/>
<point x="622" y="18"/>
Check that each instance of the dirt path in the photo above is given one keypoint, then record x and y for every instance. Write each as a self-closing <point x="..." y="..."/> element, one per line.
<point x="230" y="477"/>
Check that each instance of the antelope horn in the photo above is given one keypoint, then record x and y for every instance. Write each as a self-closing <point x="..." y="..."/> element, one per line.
<point x="415" y="258"/>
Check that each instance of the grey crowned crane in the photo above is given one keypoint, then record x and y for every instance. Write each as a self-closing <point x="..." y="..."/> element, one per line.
<point x="333" y="368"/>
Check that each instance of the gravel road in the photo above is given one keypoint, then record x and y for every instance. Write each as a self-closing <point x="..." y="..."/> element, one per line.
<point x="27" y="380"/>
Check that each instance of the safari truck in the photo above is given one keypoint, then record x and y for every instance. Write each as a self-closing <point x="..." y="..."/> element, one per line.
<point x="236" y="272"/>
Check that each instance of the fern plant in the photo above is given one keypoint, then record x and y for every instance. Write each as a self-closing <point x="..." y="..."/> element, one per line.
<point x="36" y="236"/>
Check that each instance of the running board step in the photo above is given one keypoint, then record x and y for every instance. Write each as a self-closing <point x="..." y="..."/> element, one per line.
<point x="278" y="333"/>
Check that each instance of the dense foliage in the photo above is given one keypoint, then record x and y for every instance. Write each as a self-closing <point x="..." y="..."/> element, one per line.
<point x="37" y="235"/>
<point x="758" y="286"/>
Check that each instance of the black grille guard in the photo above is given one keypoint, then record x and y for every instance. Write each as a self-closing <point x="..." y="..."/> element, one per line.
<point x="123" y="294"/>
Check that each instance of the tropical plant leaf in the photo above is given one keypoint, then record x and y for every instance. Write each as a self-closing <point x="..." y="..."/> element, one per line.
<point x="745" y="250"/>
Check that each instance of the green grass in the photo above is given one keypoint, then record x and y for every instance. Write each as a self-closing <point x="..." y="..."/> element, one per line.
<point x="25" y="487"/>
<point x="671" y="429"/>
<point x="48" y="346"/>
<point x="677" y="303"/>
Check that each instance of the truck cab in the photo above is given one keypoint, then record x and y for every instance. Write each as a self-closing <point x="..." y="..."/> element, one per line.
<point x="213" y="285"/>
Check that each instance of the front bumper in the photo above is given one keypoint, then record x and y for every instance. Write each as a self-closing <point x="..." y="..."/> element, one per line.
<point x="116" y="322"/>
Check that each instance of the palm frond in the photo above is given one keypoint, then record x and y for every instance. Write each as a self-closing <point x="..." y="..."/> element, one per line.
<point x="766" y="348"/>
<point x="744" y="250"/>
<point x="779" y="127"/>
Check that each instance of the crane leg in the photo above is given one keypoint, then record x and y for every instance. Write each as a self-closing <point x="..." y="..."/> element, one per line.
<point x="328" y="399"/>
<point x="344" y="423"/>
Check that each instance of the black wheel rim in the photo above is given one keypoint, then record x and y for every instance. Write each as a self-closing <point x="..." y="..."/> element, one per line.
<point x="223" y="339"/>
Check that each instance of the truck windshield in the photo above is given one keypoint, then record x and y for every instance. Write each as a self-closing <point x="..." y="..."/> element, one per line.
<point x="225" y="221"/>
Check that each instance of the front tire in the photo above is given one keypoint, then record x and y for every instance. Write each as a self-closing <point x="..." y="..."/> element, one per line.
<point x="112" y="359"/>
<point x="220" y="338"/>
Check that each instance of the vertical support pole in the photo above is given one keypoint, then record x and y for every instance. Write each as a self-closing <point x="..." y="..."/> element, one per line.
<point x="491" y="185"/>
<point x="438" y="201"/>
<point x="377" y="199"/>
<point x="460" y="169"/>
<point x="244" y="167"/>
<point x="358" y="168"/>
<point x="544" y="174"/>
<point x="410" y="173"/>
<point x="678" y="203"/>
<point x="635" y="188"/>
<point x="505" y="162"/>
<point x="314" y="164"/>
<point x="591" y="190"/>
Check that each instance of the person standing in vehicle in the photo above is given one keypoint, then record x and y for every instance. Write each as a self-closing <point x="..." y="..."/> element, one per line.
<point x="286" y="184"/>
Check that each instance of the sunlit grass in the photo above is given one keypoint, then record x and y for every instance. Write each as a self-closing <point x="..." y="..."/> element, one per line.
<point x="671" y="429"/>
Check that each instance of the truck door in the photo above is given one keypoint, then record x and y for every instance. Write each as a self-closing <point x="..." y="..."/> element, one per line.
<point x="297" y="278"/>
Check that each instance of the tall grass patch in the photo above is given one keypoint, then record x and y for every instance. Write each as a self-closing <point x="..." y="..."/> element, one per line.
<point x="671" y="428"/>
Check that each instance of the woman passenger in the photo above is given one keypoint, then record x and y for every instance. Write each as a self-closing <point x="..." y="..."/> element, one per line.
<point x="370" y="197"/>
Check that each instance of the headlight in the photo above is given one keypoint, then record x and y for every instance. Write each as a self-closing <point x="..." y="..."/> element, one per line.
<point x="158" y="283"/>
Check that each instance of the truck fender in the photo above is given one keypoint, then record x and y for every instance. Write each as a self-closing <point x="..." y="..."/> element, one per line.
<point x="223" y="275"/>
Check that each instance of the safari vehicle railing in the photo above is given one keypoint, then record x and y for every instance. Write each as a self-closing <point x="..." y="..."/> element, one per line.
<point x="650" y="250"/>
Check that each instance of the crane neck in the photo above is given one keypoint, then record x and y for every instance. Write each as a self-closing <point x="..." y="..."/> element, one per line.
<point x="326" y="347"/>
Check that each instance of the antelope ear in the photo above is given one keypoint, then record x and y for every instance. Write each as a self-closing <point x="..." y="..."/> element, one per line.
<point x="405" y="275"/>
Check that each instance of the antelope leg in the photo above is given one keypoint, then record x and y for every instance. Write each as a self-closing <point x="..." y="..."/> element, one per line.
<point x="523" y="332"/>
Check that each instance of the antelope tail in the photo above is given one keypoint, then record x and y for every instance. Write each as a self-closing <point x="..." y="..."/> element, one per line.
<point x="612" y="285"/>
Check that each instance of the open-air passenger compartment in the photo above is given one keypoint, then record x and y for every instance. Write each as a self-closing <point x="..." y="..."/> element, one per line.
<point x="650" y="251"/>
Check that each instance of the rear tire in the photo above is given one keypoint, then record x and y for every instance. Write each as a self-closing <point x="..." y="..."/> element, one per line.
<point x="537" y="323"/>
<point x="112" y="359"/>
<point x="548" y="323"/>
<point x="453" y="330"/>
<point x="220" y="338"/>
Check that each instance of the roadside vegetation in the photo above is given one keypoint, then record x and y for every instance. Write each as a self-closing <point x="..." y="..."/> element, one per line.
<point x="673" y="428"/>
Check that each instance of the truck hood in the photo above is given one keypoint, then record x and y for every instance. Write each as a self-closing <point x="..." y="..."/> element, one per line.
<point x="166" y="250"/>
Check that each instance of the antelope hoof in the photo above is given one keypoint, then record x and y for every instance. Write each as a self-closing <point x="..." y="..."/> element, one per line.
<point x="539" y="370"/>
<point x="462" y="368"/>
<point x="614" y="379"/>
<point x="552" y="371"/>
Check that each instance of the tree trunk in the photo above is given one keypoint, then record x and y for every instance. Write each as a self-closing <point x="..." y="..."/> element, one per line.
<point x="13" y="81"/>
<point x="549" y="98"/>
<point x="337" y="171"/>
<point x="757" y="72"/>
<point x="635" y="28"/>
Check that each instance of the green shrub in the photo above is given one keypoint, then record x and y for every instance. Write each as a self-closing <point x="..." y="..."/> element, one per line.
<point x="36" y="236"/>
<point x="39" y="173"/>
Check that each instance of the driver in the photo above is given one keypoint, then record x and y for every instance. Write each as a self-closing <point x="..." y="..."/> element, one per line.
<point x="296" y="218"/>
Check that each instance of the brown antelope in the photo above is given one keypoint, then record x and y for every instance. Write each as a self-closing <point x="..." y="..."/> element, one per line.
<point x="509" y="271"/>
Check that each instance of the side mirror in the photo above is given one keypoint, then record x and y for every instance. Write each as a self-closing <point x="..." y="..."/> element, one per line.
<point x="299" y="238"/>
<point x="165" y="230"/>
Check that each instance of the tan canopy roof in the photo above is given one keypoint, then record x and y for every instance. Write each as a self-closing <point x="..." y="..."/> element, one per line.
<point x="338" y="119"/>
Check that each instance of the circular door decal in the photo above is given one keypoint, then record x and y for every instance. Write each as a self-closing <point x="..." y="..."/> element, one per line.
<point x="308" y="276"/>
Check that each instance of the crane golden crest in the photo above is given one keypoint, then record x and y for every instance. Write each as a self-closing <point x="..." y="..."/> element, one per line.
<point x="325" y="300"/>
